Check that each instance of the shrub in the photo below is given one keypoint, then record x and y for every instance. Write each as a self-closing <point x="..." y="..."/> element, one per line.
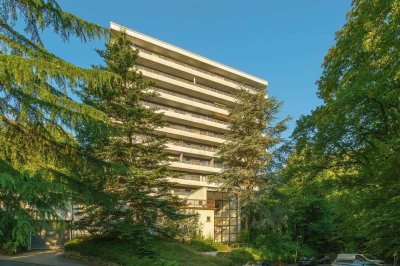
<point x="11" y="247"/>
<point x="202" y="245"/>
<point x="186" y="229"/>
<point x="240" y="256"/>
<point x="207" y="245"/>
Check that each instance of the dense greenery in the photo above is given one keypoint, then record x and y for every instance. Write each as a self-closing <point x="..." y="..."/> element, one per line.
<point x="41" y="165"/>
<point x="162" y="252"/>
<point x="337" y="191"/>
<point x="143" y="201"/>
<point x="344" y="173"/>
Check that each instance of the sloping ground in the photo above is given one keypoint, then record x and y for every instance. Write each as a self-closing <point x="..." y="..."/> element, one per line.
<point x="156" y="252"/>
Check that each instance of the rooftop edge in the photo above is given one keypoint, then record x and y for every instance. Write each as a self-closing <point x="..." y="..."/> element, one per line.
<point x="195" y="56"/>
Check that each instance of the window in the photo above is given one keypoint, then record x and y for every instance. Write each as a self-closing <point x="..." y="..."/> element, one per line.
<point x="208" y="218"/>
<point x="225" y="217"/>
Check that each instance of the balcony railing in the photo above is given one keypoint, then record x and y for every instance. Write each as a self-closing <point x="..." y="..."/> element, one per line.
<point x="190" y="177"/>
<point x="185" y="81"/>
<point x="196" y="131"/>
<point x="193" y="146"/>
<point x="200" y="163"/>
<point x="166" y="108"/>
<point x="188" y="98"/>
<point x="197" y="69"/>
<point x="204" y="204"/>
<point x="201" y="178"/>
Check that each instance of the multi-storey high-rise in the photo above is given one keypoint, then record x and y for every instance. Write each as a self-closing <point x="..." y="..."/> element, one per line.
<point x="193" y="94"/>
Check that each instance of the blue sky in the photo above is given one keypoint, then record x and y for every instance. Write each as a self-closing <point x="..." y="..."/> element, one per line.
<point x="282" y="41"/>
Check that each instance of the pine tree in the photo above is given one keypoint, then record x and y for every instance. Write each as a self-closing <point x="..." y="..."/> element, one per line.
<point x="142" y="192"/>
<point x="248" y="149"/>
<point x="41" y="165"/>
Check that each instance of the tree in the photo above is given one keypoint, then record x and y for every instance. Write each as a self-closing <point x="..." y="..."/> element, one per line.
<point x="357" y="129"/>
<point x="311" y="199"/>
<point x="41" y="164"/>
<point x="142" y="192"/>
<point x="247" y="151"/>
<point x="186" y="229"/>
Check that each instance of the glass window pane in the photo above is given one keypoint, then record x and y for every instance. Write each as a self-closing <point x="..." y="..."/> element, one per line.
<point x="218" y="221"/>
<point x="233" y="229"/>
<point x="232" y="205"/>
<point x="218" y="204"/>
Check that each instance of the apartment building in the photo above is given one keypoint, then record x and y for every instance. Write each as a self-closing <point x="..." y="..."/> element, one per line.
<point x="193" y="94"/>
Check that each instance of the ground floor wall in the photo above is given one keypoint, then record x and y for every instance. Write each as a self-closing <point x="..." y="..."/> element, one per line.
<point x="218" y="213"/>
<point x="206" y="223"/>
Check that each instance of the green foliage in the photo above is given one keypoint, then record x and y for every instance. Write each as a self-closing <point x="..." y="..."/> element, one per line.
<point x="280" y="247"/>
<point x="240" y="256"/>
<point x="352" y="142"/>
<point x="203" y="245"/>
<point x="312" y="199"/>
<point x="142" y="199"/>
<point x="207" y="244"/>
<point x="187" y="229"/>
<point x="125" y="252"/>
<point x="10" y="247"/>
<point x="248" y="152"/>
<point x="221" y="247"/>
<point x="42" y="167"/>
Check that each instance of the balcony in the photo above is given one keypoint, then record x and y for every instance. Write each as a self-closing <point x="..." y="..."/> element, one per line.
<point x="194" y="168"/>
<point x="191" y="134"/>
<point x="190" y="88"/>
<point x="193" y="145"/>
<point x="187" y="102"/>
<point x="201" y="204"/>
<point x="192" y="151"/>
<point x="148" y="57"/>
<point x="195" y="181"/>
<point x="189" y="118"/>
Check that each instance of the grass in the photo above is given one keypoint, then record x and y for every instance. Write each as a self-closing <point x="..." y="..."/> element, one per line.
<point x="157" y="252"/>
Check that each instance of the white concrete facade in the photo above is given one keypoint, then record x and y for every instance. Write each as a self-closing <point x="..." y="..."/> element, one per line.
<point x="193" y="93"/>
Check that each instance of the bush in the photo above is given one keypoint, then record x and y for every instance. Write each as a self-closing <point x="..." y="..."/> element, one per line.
<point x="11" y="247"/>
<point x="280" y="247"/>
<point x="208" y="245"/>
<point x="202" y="245"/>
<point x="220" y="246"/>
<point x="240" y="256"/>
